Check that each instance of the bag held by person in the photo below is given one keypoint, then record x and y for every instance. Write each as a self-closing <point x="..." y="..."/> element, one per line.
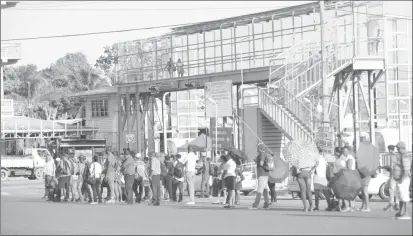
<point x="179" y="170"/>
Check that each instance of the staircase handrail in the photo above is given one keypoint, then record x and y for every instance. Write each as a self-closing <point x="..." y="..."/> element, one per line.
<point x="264" y="93"/>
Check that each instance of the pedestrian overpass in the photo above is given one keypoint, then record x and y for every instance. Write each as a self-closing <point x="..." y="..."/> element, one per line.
<point x="364" y="56"/>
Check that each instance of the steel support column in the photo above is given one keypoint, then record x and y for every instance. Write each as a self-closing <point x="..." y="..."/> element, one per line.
<point x="151" y="121"/>
<point x="372" y="109"/>
<point x="356" y="129"/>
<point x="138" y="124"/>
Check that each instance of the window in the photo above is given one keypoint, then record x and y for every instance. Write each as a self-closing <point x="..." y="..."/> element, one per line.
<point x="132" y="104"/>
<point x="99" y="108"/>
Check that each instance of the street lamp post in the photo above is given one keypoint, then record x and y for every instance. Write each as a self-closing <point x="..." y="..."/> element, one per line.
<point x="216" y="126"/>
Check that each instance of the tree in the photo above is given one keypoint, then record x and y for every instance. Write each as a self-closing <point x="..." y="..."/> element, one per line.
<point x="108" y="61"/>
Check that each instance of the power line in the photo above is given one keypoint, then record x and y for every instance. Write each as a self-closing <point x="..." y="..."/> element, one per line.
<point x="102" y="32"/>
<point x="136" y="9"/>
<point x="60" y="4"/>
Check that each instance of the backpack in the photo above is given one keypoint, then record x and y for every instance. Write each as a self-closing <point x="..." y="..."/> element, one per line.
<point x="265" y="165"/>
<point x="211" y="170"/>
<point x="179" y="170"/>
<point x="67" y="170"/>
<point x="329" y="172"/>
<point x="164" y="171"/>
<point x="140" y="169"/>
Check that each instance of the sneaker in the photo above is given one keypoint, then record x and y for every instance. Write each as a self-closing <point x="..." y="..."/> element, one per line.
<point x="253" y="208"/>
<point x="227" y="206"/>
<point x="216" y="203"/>
<point x="389" y="208"/>
<point x="93" y="203"/>
<point x="266" y="207"/>
<point x="396" y="207"/>
<point x="404" y="217"/>
<point x="190" y="203"/>
<point x="111" y="201"/>
<point x="365" y="210"/>
<point x="316" y="209"/>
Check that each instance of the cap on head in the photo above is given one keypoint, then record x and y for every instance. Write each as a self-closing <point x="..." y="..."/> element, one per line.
<point x="401" y="145"/>
<point x="138" y="156"/>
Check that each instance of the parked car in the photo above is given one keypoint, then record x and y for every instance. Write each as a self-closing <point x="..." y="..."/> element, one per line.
<point x="378" y="187"/>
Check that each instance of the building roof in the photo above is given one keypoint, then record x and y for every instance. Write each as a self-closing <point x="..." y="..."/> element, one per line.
<point x="108" y="90"/>
<point x="258" y="17"/>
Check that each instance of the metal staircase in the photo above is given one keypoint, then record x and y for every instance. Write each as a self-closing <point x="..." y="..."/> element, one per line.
<point x="282" y="102"/>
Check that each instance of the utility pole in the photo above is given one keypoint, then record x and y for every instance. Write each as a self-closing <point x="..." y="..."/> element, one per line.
<point x="324" y="67"/>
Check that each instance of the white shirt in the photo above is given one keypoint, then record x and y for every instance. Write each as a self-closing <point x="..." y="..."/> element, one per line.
<point x="230" y="167"/>
<point x="95" y="170"/>
<point x="344" y="159"/>
<point x="50" y="168"/>
<point x="321" y="168"/>
<point x="190" y="160"/>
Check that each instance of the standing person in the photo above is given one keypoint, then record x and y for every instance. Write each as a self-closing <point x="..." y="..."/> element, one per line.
<point x="178" y="179"/>
<point x="262" y="173"/>
<point x="229" y="178"/>
<point x="169" y="176"/>
<point x="155" y="177"/>
<point x="73" y="178"/>
<point x="64" y="177"/>
<point x="320" y="182"/>
<point x="350" y="165"/>
<point x="402" y="174"/>
<point x="170" y="67"/>
<point x="365" y="181"/>
<point x="147" y="184"/>
<point x="140" y="177"/>
<point x="190" y="162"/>
<point x="128" y="170"/>
<point x="238" y="180"/>
<point x="81" y="168"/>
<point x="118" y="180"/>
<point x="110" y="174"/>
<point x="273" y="193"/>
<point x="180" y="68"/>
<point x="49" y="176"/>
<point x="393" y="200"/>
<point x="94" y="179"/>
<point x="206" y="169"/>
<point x="220" y="183"/>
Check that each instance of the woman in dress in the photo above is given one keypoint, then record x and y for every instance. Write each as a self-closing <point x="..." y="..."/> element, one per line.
<point x="221" y="184"/>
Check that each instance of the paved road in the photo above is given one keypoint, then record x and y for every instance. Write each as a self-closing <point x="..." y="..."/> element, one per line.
<point x="23" y="212"/>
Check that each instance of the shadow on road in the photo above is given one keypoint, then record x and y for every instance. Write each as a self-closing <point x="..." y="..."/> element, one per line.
<point x="336" y="216"/>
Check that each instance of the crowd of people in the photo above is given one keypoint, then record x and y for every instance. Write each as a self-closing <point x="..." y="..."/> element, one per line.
<point x="400" y="181"/>
<point x="130" y="178"/>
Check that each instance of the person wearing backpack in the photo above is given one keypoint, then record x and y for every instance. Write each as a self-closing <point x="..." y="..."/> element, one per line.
<point x="64" y="173"/>
<point x="206" y="173"/>
<point x="140" y="177"/>
<point x="178" y="179"/>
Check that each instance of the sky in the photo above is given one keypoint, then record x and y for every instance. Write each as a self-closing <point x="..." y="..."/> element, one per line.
<point x="47" y="18"/>
<point x="34" y="20"/>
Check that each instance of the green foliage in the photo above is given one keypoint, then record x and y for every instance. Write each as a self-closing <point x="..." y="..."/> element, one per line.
<point x="45" y="92"/>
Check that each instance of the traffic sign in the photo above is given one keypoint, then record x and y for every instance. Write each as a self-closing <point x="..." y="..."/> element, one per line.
<point x="130" y="138"/>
